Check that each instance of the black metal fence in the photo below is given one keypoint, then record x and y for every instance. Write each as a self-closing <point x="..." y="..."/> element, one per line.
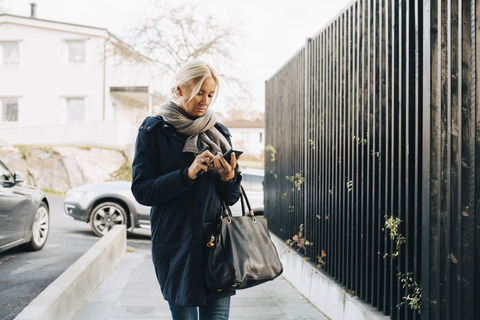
<point x="373" y="133"/>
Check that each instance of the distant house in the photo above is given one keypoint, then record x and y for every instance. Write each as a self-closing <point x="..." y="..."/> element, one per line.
<point x="248" y="136"/>
<point x="67" y="84"/>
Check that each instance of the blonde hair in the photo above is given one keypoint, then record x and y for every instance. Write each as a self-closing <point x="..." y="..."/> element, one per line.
<point x="193" y="71"/>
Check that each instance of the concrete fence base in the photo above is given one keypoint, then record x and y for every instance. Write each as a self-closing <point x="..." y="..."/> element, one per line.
<point x="322" y="291"/>
<point x="65" y="296"/>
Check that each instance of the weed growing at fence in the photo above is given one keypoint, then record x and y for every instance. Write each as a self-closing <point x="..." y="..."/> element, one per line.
<point x="350" y="185"/>
<point x="414" y="299"/>
<point x="271" y="150"/>
<point x="376" y="153"/>
<point x="297" y="179"/>
<point x="312" y="143"/>
<point x="393" y="224"/>
<point x="364" y="141"/>
<point x="321" y="259"/>
<point x="299" y="242"/>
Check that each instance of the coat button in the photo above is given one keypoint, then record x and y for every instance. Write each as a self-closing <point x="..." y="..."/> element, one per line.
<point x="141" y="127"/>
<point x="148" y="128"/>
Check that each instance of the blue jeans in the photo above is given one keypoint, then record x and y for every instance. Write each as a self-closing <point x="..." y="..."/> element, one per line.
<point x="214" y="310"/>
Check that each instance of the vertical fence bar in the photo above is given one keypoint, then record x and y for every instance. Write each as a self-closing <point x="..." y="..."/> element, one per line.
<point x="429" y="56"/>
<point x="458" y="161"/>
<point x="474" y="203"/>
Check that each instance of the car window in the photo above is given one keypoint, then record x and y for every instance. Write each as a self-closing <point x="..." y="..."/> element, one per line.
<point x="5" y="174"/>
<point x="252" y="182"/>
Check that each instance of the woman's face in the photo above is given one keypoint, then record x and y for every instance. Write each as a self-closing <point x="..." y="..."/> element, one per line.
<point x="199" y="104"/>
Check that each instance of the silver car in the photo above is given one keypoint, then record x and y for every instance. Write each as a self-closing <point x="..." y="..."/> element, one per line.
<point x="106" y="204"/>
<point x="24" y="212"/>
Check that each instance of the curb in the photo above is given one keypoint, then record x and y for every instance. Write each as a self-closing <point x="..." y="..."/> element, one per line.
<point x="330" y="297"/>
<point x="66" y="295"/>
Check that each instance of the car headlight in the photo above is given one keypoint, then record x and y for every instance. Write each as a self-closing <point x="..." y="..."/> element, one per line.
<point x="75" y="194"/>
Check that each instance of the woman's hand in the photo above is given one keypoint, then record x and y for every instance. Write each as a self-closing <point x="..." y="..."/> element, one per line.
<point x="225" y="169"/>
<point x="203" y="161"/>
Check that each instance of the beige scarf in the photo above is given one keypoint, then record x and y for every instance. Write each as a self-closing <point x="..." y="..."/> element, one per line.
<point x="201" y="133"/>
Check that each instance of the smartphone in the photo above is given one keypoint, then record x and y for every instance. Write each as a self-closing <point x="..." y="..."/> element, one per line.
<point x="227" y="154"/>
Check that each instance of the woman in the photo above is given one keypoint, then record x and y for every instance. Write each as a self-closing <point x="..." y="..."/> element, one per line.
<point x="180" y="171"/>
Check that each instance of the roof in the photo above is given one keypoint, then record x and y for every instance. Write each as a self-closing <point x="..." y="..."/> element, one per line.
<point x="50" y="21"/>
<point x="70" y="27"/>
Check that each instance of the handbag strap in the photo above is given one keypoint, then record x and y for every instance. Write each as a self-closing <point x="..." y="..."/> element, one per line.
<point x="243" y="195"/>
<point x="224" y="212"/>
<point x="243" y="199"/>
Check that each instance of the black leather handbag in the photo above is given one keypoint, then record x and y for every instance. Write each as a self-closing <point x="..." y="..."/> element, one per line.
<point x="239" y="253"/>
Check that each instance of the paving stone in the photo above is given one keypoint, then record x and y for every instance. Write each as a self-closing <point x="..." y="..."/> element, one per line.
<point x="264" y="311"/>
<point x="132" y="312"/>
<point x="94" y="310"/>
<point x="140" y="302"/>
<point x="252" y="302"/>
<point x="163" y="311"/>
<point x="137" y="293"/>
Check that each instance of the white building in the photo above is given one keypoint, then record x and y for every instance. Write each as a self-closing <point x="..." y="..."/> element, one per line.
<point x="248" y="136"/>
<point x="64" y="84"/>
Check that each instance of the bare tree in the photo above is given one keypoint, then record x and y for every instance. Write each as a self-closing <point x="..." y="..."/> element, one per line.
<point x="169" y="36"/>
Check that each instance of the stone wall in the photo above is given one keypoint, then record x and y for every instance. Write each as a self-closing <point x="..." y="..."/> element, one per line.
<point x="61" y="168"/>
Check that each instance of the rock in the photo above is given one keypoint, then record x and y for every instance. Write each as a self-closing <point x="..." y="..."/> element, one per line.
<point x="89" y="166"/>
<point x="129" y="152"/>
<point x="14" y="159"/>
<point x="62" y="168"/>
<point x="47" y="171"/>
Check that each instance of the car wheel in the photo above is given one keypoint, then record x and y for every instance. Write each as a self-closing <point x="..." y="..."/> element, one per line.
<point x="105" y="216"/>
<point x="40" y="228"/>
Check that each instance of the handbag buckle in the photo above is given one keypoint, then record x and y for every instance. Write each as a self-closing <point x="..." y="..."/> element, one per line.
<point x="229" y="221"/>
<point x="210" y="243"/>
<point x="253" y="217"/>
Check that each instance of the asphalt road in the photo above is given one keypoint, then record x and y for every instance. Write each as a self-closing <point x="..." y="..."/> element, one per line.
<point x="23" y="275"/>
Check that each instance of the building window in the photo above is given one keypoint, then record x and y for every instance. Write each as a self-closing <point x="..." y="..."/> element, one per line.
<point x="9" y="110"/>
<point x="261" y="137"/>
<point x="76" y="110"/>
<point x="11" y="54"/>
<point x="76" y="51"/>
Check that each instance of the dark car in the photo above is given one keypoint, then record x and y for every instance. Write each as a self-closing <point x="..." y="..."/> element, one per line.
<point x="24" y="212"/>
<point x="105" y="204"/>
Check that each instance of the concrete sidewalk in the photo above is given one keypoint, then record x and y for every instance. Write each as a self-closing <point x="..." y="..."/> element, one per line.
<point x="131" y="291"/>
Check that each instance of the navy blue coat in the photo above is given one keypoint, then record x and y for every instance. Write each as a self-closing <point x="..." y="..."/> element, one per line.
<point x="180" y="206"/>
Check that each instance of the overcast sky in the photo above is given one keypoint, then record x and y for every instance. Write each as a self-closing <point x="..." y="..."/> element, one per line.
<point x="273" y="29"/>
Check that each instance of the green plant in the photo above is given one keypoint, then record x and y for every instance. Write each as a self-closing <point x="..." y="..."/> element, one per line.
<point x="297" y="179"/>
<point x="364" y="141"/>
<point x="124" y="173"/>
<point x="298" y="242"/>
<point x="312" y="143"/>
<point x="271" y="150"/>
<point x="414" y="298"/>
<point x="393" y="225"/>
<point x="350" y="185"/>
